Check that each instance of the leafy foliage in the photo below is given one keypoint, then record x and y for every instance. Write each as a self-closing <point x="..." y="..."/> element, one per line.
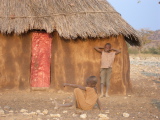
<point x="146" y="41"/>
<point x="152" y="51"/>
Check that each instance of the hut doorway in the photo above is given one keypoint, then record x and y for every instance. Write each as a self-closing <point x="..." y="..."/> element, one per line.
<point x="40" y="60"/>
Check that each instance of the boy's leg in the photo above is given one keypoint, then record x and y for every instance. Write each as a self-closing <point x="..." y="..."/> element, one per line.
<point x="72" y="104"/>
<point x="57" y="105"/>
<point x="78" y="101"/>
<point x="103" y="77"/>
<point x="102" y="93"/>
<point x="108" y="77"/>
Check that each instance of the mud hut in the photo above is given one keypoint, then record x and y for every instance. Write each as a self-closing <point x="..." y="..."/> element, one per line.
<point x="44" y="43"/>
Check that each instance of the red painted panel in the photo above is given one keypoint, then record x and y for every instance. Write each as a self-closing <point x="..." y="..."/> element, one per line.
<point x="41" y="59"/>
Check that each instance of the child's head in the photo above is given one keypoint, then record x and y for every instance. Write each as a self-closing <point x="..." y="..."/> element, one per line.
<point x="91" y="81"/>
<point x="107" y="47"/>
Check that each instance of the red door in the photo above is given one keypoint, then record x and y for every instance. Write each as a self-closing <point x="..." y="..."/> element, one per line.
<point x="41" y="59"/>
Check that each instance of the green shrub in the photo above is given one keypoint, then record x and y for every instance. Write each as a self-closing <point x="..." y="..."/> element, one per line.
<point x="152" y="51"/>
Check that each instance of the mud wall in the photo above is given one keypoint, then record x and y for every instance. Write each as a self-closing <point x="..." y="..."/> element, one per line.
<point x="74" y="61"/>
<point x="71" y="62"/>
<point x="15" y="53"/>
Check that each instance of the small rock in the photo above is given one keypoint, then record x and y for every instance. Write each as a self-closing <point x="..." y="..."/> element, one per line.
<point x="32" y="113"/>
<point x="155" y="116"/>
<point x="38" y="111"/>
<point x="83" y="116"/>
<point x="45" y="112"/>
<point x="103" y="115"/>
<point x="23" y="110"/>
<point x="65" y="111"/>
<point x="1" y="112"/>
<point x="55" y="115"/>
<point x="11" y="111"/>
<point x="63" y="101"/>
<point x="125" y="115"/>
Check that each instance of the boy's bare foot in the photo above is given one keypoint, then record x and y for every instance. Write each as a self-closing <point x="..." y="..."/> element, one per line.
<point x="56" y="104"/>
<point x="106" y="95"/>
<point x="101" y="96"/>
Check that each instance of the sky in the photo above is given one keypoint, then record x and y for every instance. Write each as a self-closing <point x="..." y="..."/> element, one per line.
<point x="140" y="15"/>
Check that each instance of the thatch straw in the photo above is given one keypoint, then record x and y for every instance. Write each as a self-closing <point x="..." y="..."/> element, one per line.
<point x="70" y="18"/>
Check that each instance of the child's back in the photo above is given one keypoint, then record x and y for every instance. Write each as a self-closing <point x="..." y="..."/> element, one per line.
<point x="85" y="99"/>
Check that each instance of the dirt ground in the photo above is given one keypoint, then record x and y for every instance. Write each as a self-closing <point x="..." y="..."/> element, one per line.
<point x="142" y="104"/>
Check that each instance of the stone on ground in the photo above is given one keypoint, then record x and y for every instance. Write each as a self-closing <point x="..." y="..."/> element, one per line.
<point x="32" y="113"/>
<point x="83" y="116"/>
<point x="25" y="113"/>
<point x="11" y="111"/>
<point x="45" y="112"/>
<point x="55" y="115"/>
<point x="125" y="115"/>
<point x="23" y="110"/>
<point x="38" y="111"/>
<point x="65" y="111"/>
<point x="102" y="115"/>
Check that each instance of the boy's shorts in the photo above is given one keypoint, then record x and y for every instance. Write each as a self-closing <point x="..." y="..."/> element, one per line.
<point x="105" y="75"/>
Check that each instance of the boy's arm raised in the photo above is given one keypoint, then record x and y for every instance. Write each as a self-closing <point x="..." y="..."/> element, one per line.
<point x="74" y="85"/>
<point x="116" y="50"/>
<point x="98" y="49"/>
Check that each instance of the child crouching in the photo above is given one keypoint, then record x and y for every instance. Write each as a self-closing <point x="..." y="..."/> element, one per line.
<point x="85" y="97"/>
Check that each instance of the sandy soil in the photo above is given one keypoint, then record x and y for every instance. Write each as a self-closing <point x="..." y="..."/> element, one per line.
<point x="142" y="104"/>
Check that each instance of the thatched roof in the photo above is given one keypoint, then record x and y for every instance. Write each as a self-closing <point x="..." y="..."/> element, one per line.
<point x="70" y="18"/>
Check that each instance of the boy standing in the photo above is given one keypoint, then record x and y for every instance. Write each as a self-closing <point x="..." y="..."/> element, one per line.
<point x="107" y="59"/>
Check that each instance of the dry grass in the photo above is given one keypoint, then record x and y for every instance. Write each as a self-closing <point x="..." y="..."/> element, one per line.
<point x="71" y="18"/>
